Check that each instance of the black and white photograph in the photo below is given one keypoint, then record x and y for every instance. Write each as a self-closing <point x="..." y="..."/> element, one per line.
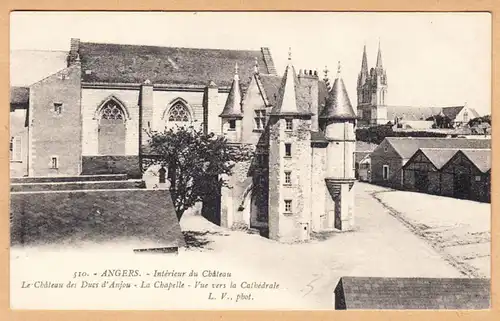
<point x="250" y="160"/>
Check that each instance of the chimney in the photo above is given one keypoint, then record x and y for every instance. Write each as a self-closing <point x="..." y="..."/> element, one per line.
<point x="74" y="49"/>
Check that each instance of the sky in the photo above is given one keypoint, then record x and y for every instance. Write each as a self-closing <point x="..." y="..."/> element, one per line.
<point x="431" y="59"/>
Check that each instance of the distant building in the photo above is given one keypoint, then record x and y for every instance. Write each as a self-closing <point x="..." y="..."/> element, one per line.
<point x="377" y="293"/>
<point x="459" y="173"/>
<point x="372" y="88"/>
<point x="388" y="159"/>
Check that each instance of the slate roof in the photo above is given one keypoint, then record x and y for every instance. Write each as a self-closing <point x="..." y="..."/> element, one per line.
<point x="338" y="105"/>
<point x="292" y="98"/>
<point x="407" y="146"/>
<point x="318" y="137"/>
<point x="439" y="156"/>
<point x="19" y="95"/>
<point x="412" y="293"/>
<point x="119" y="63"/>
<point x="479" y="157"/>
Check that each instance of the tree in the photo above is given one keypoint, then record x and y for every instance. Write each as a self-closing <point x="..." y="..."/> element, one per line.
<point x="479" y="120"/>
<point x="440" y="121"/>
<point x="196" y="162"/>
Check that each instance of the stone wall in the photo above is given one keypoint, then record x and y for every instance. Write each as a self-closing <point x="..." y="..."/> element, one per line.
<point x="97" y="165"/>
<point x="54" y="134"/>
<point x="18" y="131"/>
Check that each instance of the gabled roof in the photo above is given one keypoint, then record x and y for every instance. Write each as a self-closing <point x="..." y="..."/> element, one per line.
<point x="19" y="95"/>
<point x="438" y="156"/>
<point x="119" y="63"/>
<point x="412" y="293"/>
<point x="479" y="157"/>
<point x="452" y="112"/>
<point x="271" y="86"/>
<point x="407" y="146"/>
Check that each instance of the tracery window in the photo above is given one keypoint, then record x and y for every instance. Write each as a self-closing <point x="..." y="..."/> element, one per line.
<point x="178" y="113"/>
<point x="112" y="111"/>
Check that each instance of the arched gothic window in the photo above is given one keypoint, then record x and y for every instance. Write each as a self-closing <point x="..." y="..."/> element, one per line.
<point x="112" y="111"/>
<point x="178" y="113"/>
<point x="112" y="129"/>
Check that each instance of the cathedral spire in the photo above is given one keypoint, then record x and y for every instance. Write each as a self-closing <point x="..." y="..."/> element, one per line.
<point x="232" y="108"/>
<point x="287" y="103"/>
<point x="338" y="106"/>
<point x="364" y="61"/>
<point x="379" y="57"/>
<point x="363" y="75"/>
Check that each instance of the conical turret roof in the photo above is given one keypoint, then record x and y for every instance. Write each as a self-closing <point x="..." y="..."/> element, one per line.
<point x="288" y="102"/>
<point x="338" y="105"/>
<point x="232" y="108"/>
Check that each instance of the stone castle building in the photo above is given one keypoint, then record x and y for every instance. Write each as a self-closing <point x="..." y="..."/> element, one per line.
<point x="90" y="117"/>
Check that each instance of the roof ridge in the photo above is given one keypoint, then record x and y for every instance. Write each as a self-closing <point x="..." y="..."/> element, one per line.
<point x="158" y="46"/>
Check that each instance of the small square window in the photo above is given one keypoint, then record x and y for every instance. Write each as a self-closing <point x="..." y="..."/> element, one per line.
<point x="58" y="108"/>
<point x="288" y="206"/>
<point x="478" y="178"/>
<point x="288" y="178"/>
<point x="289" y="124"/>
<point x="288" y="150"/>
<point x="232" y="124"/>
<point x="54" y="162"/>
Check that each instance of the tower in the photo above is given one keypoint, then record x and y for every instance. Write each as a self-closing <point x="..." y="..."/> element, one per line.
<point x="232" y="113"/>
<point x="379" y="92"/>
<point x="338" y="122"/>
<point x="372" y="91"/>
<point x="289" y="209"/>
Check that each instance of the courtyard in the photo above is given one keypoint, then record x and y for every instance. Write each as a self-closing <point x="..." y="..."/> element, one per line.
<point x="398" y="234"/>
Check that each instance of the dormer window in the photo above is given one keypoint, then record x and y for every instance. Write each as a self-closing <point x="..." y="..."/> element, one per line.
<point x="288" y="124"/>
<point x="260" y="119"/>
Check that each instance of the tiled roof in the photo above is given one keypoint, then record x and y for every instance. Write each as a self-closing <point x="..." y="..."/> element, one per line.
<point x="118" y="63"/>
<point x="412" y="293"/>
<point x="479" y="157"/>
<point x="271" y="84"/>
<point x="407" y="146"/>
<point x="19" y="95"/>
<point x="359" y="156"/>
<point x="364" y="146"/>
<point x="439" y="156"/>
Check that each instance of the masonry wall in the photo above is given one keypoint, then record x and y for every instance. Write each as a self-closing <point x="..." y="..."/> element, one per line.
<point x="318" y="188"/>
<point x="235" y="208"/>
<point x="92" y="99"/>
<point x="97" y="165"/>
<point x="18" y="131"/>
<point x="385" y="154"/>
<point x="137" y="215"/>
<point x="52" y="134"/>
<point x="294" y="226"/>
